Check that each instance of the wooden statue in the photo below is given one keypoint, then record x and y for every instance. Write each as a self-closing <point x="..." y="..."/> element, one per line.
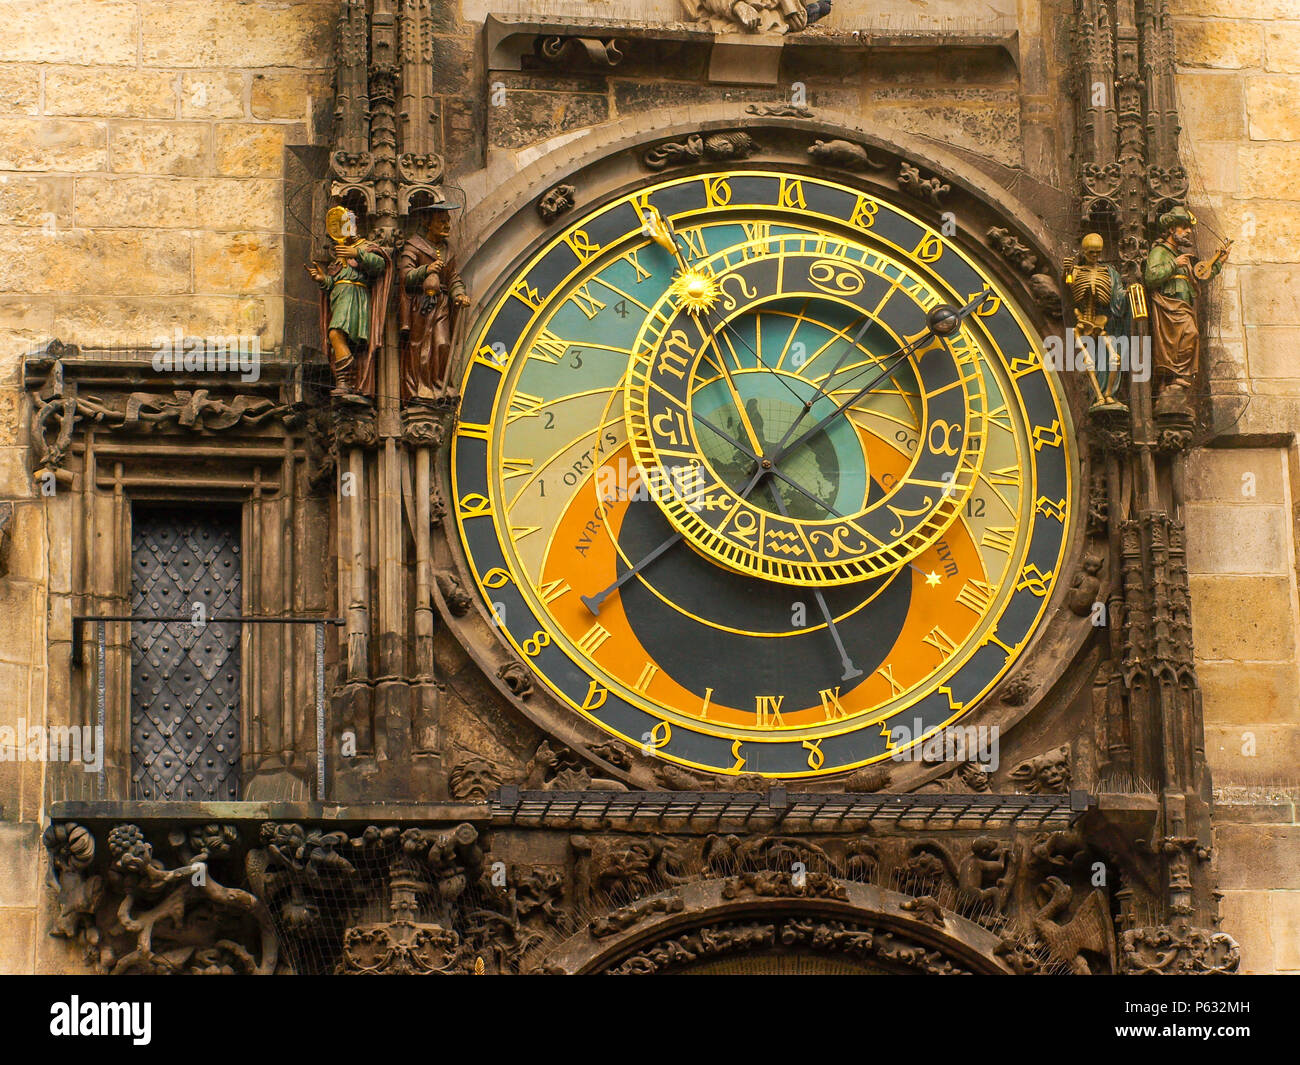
<point x="1172" y="278"/>
<point x="354" y="288"/>
<point x="431" y="294"/>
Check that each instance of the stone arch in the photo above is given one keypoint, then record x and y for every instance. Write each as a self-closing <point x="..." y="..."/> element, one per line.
<point x="733" y="924"/>
<point x="604" y="160"/>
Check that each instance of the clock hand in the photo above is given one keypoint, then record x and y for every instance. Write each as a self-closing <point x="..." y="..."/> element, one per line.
<point x="764" y="464"/>
<point x="593" y="602"/>
<point x="943" y="320"/>
<point x="735" y="398"/>
<point x="850" y="670"/>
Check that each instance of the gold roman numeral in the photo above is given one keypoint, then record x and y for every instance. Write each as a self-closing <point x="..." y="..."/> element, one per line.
<point x="586" y="302"/>
<point x="552" y="590"/>
<point x="999" y="538"/>
<point x="894" y="687"/>
<point x="515" y="468"/>
<point x="590" y="641"/>
<point x="975" y="595"/>
<point x="523" y="405"/>
<point x="940" y="640"/>
<point x="547" y="347"/>
<point x="648" y="672"/>
<point x="831" y="704"/>
<point x="768" y="710"/>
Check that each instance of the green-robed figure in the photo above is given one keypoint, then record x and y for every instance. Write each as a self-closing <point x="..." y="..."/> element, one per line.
<point x="354" y="298"/>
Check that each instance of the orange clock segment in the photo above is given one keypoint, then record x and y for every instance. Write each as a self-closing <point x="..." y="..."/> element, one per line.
<point x="772" y="489"/>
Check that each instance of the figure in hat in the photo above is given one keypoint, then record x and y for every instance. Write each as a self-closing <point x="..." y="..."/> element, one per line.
<point x="1171" y="278"/>
<point x="431" y="294"/>
<point x="1100" y="313"/>
<point x="354" y="288"/>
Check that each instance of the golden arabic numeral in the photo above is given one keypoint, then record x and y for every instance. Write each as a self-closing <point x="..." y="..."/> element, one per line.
<point x="660" y="735"/>
<point x="583" y="246"/>
<point x="717" y="191"/>
<point x="815" y="757"/>
<point x="991" y="305"/>
<point x="596" y="695"/>
<point x="474" y="505"/>
<point x="534" y="644"/>
<point x="792" y="194"/>
<point x="741" y="760"/>
<point x="929" y="249"/>
<point x="864" y="214"/>
<point x="495" y="578"/>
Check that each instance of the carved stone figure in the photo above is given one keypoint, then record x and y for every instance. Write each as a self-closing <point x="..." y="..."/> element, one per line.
<point x="985" y="876"/>
<point x="1086" y="586"/>
<point x="354" y="288"/>
<point x="431" y="294"/>
<point x="1088" y="931"/>
<point x="929" y="190"/>
<point x="1012" y="249"/>
<point x="754" y="16"/>
<point x="556" y="202"/>
<point x="1044" y="774"/>
<point x="715" y="147"/>
<point x="1172" y="278"/>
<point x="844" y="154"/>
<point x="473" y="780"/>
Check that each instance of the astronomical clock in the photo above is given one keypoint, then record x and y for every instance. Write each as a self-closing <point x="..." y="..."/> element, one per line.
<point x="760" y="473"/>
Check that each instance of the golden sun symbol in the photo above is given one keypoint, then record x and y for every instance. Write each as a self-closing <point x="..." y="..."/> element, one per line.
<point x="695" y="290"/>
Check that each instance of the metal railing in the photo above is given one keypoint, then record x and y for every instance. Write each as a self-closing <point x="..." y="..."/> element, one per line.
<point x="102" y="621"/>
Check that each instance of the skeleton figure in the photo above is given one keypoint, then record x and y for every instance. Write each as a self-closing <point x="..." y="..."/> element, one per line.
<point x="1100" y="312"/>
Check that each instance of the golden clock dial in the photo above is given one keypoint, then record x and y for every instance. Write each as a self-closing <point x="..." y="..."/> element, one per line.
<point x="866" y="588"/>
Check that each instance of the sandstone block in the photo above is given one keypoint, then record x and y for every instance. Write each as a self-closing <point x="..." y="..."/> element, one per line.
<point x="20" y="89"/>
<point x="1229" y="474"/>
<point x="171" y="149"/>
<point x="1270" y="295"/>
<point x="20" y="871"/>
<point x="1212" y="107"/>
<point x="1270" y="171"/>
<point x="107" y="261"/>
<point x="99" y="32"/>
<point x="1219" y="44"/>
<point x="249" y="149"/>
<point x="1271" y="351"/>
<point x="212" y="94"/>
<point x="1239" y="693"/>
<point x="288" y="95"/>
<point x="216" y="33"/>
<point x="1243" y="618"/>
<point x="1252" y="857"/>
<point x="17" y="940"/>
<point x="1282" y="45"/>
<point x="87" y="91"/>
<point x="1245" y="918"/>
<point x="1284" y="924"/>
<point x="238" y="262"/>
<point x="1270" y="107"/>
<point x="1238" y="538"/>
<point x="36" y="201"/>
<point x="53" y="144"/>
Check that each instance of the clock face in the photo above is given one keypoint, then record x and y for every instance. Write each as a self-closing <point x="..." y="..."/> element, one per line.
<point x="725" y="491"/>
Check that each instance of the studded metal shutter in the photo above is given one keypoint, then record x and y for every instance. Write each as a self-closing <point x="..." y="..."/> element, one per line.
<point x="184" y="679"/>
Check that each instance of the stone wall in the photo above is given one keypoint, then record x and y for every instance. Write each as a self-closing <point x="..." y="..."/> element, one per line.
<point x="1239" y="77"/>
<point x="141" y="190"/>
